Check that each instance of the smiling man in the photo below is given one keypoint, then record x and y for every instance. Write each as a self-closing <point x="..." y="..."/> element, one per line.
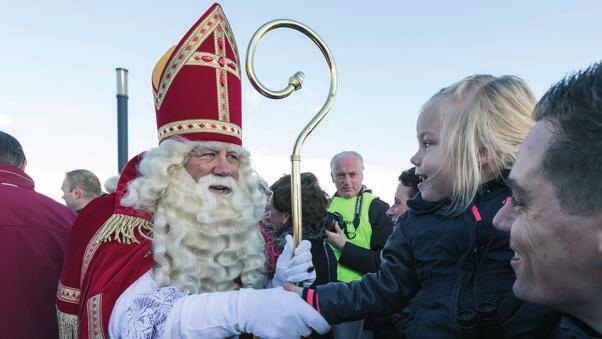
<point x="555" y="216"/>
<point x="176" y="251"/>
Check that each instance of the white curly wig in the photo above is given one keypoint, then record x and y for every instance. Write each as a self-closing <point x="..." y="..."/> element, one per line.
<point x="202" y="241"/>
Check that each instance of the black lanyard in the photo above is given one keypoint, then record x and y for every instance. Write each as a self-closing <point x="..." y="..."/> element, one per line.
<point x="357" y="214"/>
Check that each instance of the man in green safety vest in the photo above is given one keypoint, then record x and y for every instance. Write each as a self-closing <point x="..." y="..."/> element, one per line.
<point x="357" y="243"/>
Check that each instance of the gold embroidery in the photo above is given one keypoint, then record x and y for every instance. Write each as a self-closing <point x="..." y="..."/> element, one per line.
<point x="199" y="125"/>
<point x="95" y="317"/>
<point x="230" y="37"/>
<point x="118" y="227"/>
<point x="212" y="60"/>
<point x="122" y="228"/>
<point x="223" y="105"/>
<point x="214" y="20"/>
<point x="68" y="325"/>
<point x="67" y="294"/>
<point x="88" y="255"/>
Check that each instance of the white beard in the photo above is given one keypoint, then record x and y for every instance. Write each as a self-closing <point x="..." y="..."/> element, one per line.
<point x="203" y="241"/>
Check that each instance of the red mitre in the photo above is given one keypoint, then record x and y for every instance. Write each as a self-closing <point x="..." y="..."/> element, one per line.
<point x="196" y="85"/>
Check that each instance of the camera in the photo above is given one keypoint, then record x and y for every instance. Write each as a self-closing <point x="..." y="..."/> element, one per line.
<point x="484" y="323"/>
<point x="332" y="218"/>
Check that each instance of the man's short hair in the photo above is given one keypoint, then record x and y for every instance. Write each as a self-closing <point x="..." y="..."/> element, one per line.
<point x="573" y="161"/>
<point x="344" y="154"/>
<point x="409" y="179"/>
<point x="11" y="151"/>
<point x="85" y="180"/>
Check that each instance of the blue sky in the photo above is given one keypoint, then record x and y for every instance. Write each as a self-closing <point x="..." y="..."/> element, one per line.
<point x="59" y="59"/>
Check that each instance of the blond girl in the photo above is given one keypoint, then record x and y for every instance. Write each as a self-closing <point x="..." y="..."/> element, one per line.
<point x="445" y="263"/>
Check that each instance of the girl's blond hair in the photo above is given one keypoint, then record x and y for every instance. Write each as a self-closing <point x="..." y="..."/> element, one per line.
<point x="484" y="121"/>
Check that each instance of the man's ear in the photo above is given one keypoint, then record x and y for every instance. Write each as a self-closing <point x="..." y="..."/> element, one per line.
<point x="77" y="192"/>
<point x="24" y="164"/>
<point x="332" y="177"/>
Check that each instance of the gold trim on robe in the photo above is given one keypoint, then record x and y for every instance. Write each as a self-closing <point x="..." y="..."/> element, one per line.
<point x="68" y="325"/>
<point x="67" y="294"/>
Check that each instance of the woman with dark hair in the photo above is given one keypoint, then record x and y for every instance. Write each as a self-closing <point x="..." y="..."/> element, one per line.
<point x="314" y="204"/>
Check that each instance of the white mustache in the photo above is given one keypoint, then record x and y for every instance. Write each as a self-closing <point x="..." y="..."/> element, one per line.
<point x="214" y="180"/>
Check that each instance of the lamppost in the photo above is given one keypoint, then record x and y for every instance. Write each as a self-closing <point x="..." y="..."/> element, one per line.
<point x="122" y="117"/>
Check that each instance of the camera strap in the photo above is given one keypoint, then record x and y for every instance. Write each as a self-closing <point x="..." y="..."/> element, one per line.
<point x="358" y="207"/>
<point x="357" y="214"/>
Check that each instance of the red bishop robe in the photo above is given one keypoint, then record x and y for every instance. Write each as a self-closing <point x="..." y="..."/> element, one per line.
<point x="95" y="274"/>
<point x="108" y="251"/>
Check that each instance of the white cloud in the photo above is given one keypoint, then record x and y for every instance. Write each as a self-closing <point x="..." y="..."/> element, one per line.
<point x="251" y="98"/>
<point x="48" y="175"/>
<point x="5" y="120"/>
<point x="381" y="180"/>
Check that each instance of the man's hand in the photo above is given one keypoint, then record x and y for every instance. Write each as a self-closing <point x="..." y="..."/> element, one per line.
<point x="267" y="313"/>
<point x="275" y="313"/>
<point x="299" y="268"/>
<point x="338" y="238"/>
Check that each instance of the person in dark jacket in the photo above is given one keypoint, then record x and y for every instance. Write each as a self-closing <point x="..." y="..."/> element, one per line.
<point x="33" y="236"/>
<point x="315" y="219"/>
<point x="314" y="202"/>
<point x="445" y="261"/>
<point x="555" y="218"/>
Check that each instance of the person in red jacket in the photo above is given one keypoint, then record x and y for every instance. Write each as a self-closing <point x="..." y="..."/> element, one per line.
<point x="33" y="235"/>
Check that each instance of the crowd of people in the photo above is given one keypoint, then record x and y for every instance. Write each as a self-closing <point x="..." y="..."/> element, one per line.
<point x="496" y="232"/>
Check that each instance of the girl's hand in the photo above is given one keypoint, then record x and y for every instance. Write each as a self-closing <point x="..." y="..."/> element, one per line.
<point x="293" y="288"/>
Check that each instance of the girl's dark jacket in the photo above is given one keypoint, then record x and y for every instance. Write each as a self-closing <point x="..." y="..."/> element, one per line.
<point x="436" y="266"/>
<point x="323" y="259"/>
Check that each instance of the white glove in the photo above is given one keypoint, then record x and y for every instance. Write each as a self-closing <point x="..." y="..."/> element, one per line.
<point x="270" y="313"/>
<point x="299" y="268"/>
<point x="276" y="313"/>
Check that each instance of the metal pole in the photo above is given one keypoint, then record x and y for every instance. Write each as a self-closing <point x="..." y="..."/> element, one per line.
<point x="294" y="83"/>
<point x="122" y="118"/>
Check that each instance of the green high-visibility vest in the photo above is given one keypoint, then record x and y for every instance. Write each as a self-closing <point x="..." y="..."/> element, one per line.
<point x="363" y="233"/>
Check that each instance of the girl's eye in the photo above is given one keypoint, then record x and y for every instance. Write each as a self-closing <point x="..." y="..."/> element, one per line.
<point x="426" y="144"/>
